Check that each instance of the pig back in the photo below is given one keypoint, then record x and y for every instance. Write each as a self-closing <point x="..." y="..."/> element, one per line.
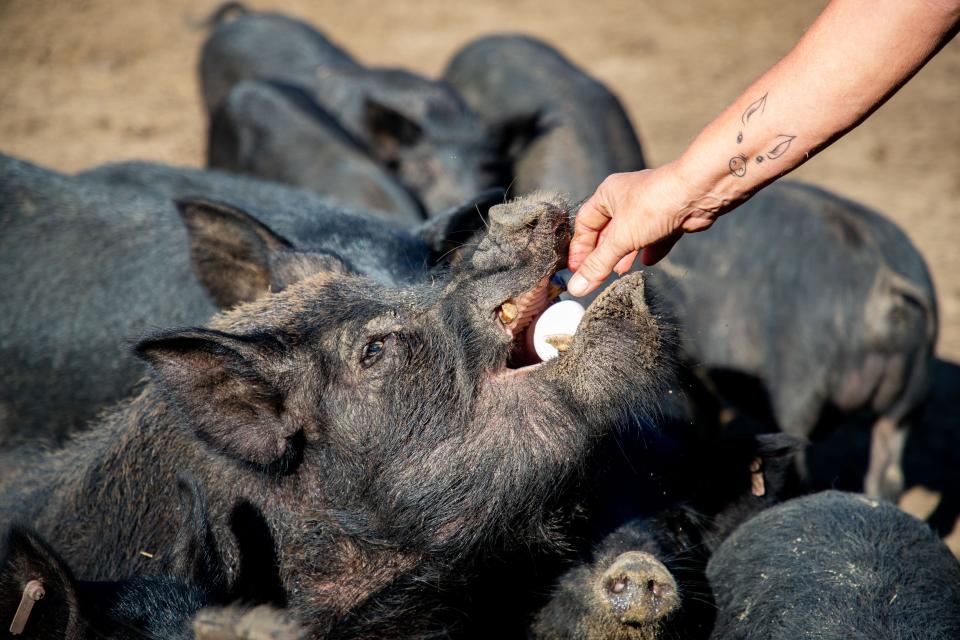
<point x="84" y="270"/>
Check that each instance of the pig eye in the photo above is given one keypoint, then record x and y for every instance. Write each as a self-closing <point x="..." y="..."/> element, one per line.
<point x="373" y="350"/>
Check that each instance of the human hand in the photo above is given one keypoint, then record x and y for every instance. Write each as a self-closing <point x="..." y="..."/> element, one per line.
<point x="644" y="210"/>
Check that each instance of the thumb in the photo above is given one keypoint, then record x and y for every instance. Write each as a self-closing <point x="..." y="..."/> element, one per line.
<point x="596" y="267"/>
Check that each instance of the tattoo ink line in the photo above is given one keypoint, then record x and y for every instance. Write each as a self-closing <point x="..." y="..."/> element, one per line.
<point x="783" y="143"/>
<point x="738" y="165"/>
<point x="757" y="105"/>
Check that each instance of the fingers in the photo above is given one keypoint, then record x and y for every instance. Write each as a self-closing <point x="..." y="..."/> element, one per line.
<point x="625" y="263"/>
<point x="655" y="252"/>
<point x="592" y="219"/>
<point x="596" y="267"/>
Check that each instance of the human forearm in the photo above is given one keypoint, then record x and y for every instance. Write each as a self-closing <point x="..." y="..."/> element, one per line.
<point x="856" y="54"/>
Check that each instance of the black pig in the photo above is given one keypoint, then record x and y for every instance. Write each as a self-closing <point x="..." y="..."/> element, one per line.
<point x="156" y="606"/>
<point x="646" y="579"/>
<point x="190" y="593"/>
<point x="152" y="607"/>
<point x="377" y="434"/>
<point x="419" y="129"/>
<point x="803" y="307"/>
<point x="276" y="132"/>
<point x="634" y="587"/>
<point x="88" y="263"/>
<point x="582" y="132"/>
<point x="835" y="565"/>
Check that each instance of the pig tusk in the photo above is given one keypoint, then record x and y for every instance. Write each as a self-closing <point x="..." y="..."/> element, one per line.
<point x="508" y="312"/>
<point x="561" y="341"/>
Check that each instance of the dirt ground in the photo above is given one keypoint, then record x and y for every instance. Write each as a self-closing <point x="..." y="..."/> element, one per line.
<point x="88" y="82"/>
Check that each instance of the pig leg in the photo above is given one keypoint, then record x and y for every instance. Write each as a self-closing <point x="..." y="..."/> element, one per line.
<point x="920" y="502"/>
<point x="884" y="477"/>
<point x="797" y="414"/>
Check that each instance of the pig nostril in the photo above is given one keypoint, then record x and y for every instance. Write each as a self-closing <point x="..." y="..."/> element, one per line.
<point x="658" y="589"/>
<point x="618" y="585"/>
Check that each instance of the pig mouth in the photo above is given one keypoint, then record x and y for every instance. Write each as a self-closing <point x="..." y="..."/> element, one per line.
<point x="517" y="317"/>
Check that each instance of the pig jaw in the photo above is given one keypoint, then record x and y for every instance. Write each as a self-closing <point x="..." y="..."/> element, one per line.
<point x="620" y="354"/>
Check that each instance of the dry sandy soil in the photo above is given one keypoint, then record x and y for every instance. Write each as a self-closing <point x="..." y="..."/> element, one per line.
<point x="88" y="82"/>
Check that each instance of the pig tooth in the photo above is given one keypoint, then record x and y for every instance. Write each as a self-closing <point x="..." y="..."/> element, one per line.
<point x="508" y="312"/>
<point x="561" y="341"/>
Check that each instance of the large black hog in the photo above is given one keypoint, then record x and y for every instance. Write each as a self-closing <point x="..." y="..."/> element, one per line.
<point x="379" y="433"/>
<point x="86" y="265"/>
<point x="583" y="132"/>
<point x="419" y="129"/>
<point x="806" y="307"/>
<point x="835" y="565"/>
<point x="276" y="132"/>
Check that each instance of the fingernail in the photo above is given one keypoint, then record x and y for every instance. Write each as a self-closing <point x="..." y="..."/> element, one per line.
<point x="577" y="285"/>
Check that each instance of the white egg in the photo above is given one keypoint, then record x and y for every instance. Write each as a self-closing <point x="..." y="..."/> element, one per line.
<point x="560" y="319"/>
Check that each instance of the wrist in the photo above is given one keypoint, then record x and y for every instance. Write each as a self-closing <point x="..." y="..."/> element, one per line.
<point x="699" y="192"/>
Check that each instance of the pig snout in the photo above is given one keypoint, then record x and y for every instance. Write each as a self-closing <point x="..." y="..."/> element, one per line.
<point x="637" y="589"/>
<point x="513" y="217"/>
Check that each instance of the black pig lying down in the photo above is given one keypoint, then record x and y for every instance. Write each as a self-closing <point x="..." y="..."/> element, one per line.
<point x="130" y="609"/>
<point x="582" y="132"/>
<point x="147" y="607"/>
<point x="646" y="579"/>
<point x="420" y="129"/>
<point x="835" y="565"/>
<point x="824" y="305"/>
<point x="381" y="434"/>
<point x="277" y="132"/>
<point x="388" y="251"/>
<point x="88" y="264"/>
<point x="191" y="576"/>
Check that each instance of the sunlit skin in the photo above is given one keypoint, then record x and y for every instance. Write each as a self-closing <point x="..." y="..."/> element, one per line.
<point x="849" y="62"/>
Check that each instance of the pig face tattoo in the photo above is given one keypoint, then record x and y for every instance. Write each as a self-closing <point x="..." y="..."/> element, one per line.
<point x="738" y="163"/>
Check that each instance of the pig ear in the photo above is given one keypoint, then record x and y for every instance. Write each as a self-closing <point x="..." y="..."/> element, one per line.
<point x="28" y="558"/>
<point x="288" y="267"/>
<point x="453" y="228"/>
<point x="515" y="133"/>
<point x="770" y="446"/>
<point x="217" y="382"/>
<point x="230" y="143"/>
<point x="389" y="130"/>
<point x="773" y="467"/>
<point x="230" y="250"/>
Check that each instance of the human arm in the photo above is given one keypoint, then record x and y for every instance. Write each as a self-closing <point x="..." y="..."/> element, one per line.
<point x="851" y="60"/>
